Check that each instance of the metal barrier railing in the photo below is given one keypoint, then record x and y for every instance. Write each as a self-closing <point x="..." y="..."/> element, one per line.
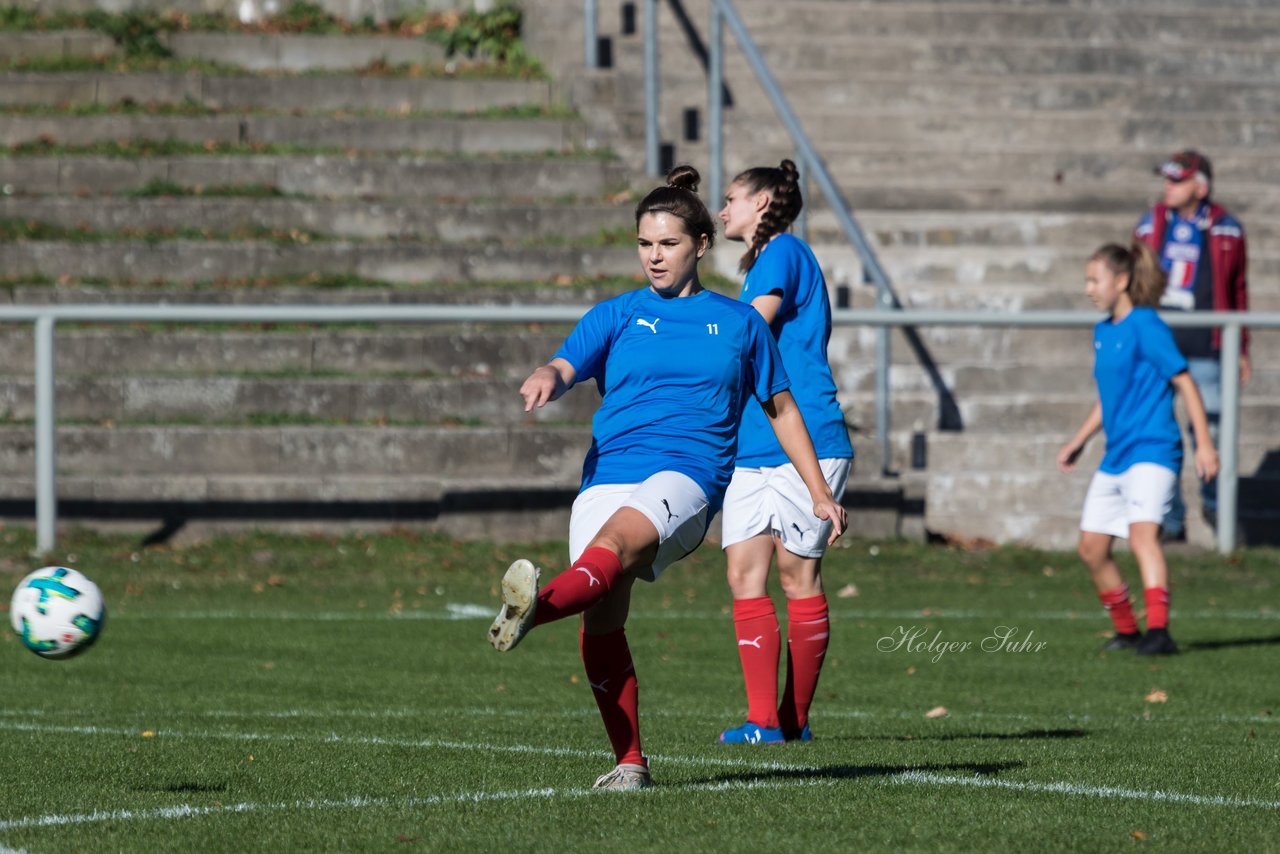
<point x="811" y="166"/>
<point x="45" y="319"/>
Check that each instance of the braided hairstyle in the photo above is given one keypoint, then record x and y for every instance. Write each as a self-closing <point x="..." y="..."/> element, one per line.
<point x="680" y="199"/>
<point x="783" y="186"/>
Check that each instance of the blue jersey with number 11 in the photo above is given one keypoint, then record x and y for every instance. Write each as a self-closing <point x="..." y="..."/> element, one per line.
<point x="675" y="374"/>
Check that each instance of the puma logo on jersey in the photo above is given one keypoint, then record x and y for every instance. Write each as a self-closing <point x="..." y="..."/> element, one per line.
<point x="652" y="324"/>
<point x="670" y="515"/>
<point x="755" y="643"/>
<point x="592" y="581"/>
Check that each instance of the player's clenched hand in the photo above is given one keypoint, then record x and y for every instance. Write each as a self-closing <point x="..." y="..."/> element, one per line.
<point x="1068" y="455"/>
<point x="832" y="509"/>
<point x="1206" y="462"/>
<point x="540" y="388"/>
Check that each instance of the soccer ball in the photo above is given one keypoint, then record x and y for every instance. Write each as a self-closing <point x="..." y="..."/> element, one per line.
<point x="57" y="612"/>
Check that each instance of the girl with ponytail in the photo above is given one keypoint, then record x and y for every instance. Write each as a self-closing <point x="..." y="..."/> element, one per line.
<point x="1137" y="369"/>
<point x="766" y="516"/>
<point x="675" y="366"/>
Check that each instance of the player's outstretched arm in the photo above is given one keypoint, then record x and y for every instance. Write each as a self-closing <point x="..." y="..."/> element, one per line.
<point x="1070" y="452"/>
<point x="547" y="383"/>
<point x="788" y="425"/>
<point x="1206" y="453"/>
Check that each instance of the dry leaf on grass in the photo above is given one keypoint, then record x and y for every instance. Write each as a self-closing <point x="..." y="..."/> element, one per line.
<point x="848" y="591"/>
<point x="1137" y="834"/>
<point x="1157" y="696"/>
<point x="937" y="712"/>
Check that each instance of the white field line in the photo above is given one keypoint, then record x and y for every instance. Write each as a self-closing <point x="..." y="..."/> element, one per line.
<point x="931" y="779"/>
<point x="456" y="612"/>
<point x="921" y="778"/>
<point x="189" y="810"/>
<point x="413" y="743"/>
<point x="1045" y="720"/>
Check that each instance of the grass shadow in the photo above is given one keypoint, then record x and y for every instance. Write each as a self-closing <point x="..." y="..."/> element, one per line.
<point x="1210" y="645"/>
<point x="855" y="772"/>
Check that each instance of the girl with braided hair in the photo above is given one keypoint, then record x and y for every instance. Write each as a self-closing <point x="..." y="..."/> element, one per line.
<point x="766" y="514"/>
<point x="676" y="365"/>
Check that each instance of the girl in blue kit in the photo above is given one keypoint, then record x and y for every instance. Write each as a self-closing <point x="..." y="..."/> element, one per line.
<point x="1137" y="368"/>
<point x="767" y="514"/>
<point x="675" y="365"/>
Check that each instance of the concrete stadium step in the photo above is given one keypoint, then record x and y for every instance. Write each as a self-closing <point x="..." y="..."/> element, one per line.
<point x="506" y="353"/>
<point x="1021" y="497"/>
<point x="174" y="506"/>
<point x="998" y="131"/>
<point x="256" y="52"/>
<point x="396" y="262"/>
<point x="281" y="93"/>
<point x="440" y="221"/>
<point x="356" y="133"/>
<point x="514" y="453"/>
<point x="1222" y="61"/>
<point x="337" y="401"/>
<point x="1165" y="24"/>
<point x="1028" y="412"/>
<point x="907" y="93"/>
<point x="370" y="176"/>
<point x="1016" y="380"/>
<point x="999" y="229"/>
<point x="314" y="290"/>
<point x="1056" y="266"/>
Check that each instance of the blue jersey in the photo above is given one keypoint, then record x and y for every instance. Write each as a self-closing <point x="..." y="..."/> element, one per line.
<point x="786" y="267"/>
<point x="675" y="374"/>
<point x="1136" y="359"/>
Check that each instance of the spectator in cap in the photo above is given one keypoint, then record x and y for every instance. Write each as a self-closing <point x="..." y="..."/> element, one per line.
<point x="1202" y="248"/>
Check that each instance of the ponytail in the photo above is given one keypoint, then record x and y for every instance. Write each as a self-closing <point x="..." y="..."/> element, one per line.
<point x="1140" y="264"/>
<point x="785" y="202"/>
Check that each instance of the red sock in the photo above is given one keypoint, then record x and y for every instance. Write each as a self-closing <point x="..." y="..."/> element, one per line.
<point x="1157" y="607"/>
<point x="578" y="587"/>
<point x="1117" y="604"/>
<point x="808" y="633"/>
<point x="755" y="623"/>
<point x="613" y="682"/>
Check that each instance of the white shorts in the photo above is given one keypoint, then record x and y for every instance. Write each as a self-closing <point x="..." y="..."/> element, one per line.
<point x="675" y="505"/>
<point x="774" y="500"/>
<point x="1142" y="493"/>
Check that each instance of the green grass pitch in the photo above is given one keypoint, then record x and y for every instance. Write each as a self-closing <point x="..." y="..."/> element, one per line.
<point x="273" y="693"/>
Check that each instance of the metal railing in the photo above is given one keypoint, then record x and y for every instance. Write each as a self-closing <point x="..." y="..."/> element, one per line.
<point x="811" y="167"/>
<point x="45" y="319"/>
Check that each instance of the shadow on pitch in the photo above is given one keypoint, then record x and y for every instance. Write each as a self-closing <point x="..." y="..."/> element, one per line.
<point x="995" y="736"/>
<point x="857" y="772"/>
<point x="185" y="787"/>
<point x="1211" y="645"/>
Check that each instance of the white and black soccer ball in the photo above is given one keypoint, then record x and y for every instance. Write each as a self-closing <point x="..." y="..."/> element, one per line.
<point x="57" y="612"/>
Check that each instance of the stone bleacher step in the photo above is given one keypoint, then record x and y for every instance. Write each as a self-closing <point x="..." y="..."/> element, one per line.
<point x="1007" y="488"/>
<point x="253" y="51"/>
<point x="274" y="92"/>
<point x="1166" y="23"/>
<point x="995" y="230"/>
<point x="1030" y="412"/>
<point x="334" y="400"/>
<point x="505" y="353"/>
<point x="350" y="218"/>
<point x="461" y="135"/>
<point x="369" y="176"/>
<point x="858" y="54"/>
<point x="909" y="92"/>
<point x="396" y="262"/>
